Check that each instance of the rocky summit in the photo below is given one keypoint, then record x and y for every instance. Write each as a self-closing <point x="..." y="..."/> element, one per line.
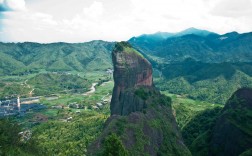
<point x="141" y="121"/>
<point x="131" y="70"/>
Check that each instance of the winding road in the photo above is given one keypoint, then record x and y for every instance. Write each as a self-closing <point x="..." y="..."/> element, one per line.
<point x="92" y="89"/>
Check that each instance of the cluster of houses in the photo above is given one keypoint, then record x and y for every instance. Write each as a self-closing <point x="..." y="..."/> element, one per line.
<point x="8" y="107"/>
<point x="109" y="71"/>
<point x="76" y="105"/>
<point x="99" y="105"/>
<point x="25" y="135"/>
<point x="15" y="107"/>
<point x="68" y="119"/>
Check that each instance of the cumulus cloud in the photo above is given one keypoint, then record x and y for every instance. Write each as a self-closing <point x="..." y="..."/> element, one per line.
<point x="53" y="21"/>
<point x="29" y="26"/>
<point x="95" y="10"/>
<point x="12" y="5"/>
<point x="233" y="8"/>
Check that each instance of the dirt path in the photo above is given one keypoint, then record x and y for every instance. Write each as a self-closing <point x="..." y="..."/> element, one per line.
<point x="104" y="83"/>
<point x="92" y="89"/>
<point x="31" y="92"/>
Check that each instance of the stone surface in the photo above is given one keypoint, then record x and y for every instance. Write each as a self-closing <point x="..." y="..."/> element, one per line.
<point x="131" y="70"/>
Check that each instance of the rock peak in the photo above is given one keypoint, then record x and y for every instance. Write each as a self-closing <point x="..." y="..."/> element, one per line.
<point x="141" y="117"/>
<point x="130" y="67"/>
<point x="131" y="70"/>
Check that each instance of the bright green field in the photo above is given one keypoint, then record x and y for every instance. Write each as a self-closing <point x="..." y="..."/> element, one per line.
<point x="186" y="109"/>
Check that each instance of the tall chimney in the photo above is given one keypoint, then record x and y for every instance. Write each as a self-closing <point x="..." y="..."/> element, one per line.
<point x="18" y="103"/>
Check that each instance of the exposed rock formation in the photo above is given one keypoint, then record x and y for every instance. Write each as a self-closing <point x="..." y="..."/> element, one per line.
<point x="131" y="70"/>
<point x="232" y="134"/>
<point x="140" y="116"/>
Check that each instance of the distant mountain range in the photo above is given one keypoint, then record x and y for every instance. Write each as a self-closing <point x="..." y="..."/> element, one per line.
<point x="198" y="63"/>
<point x="159" y="36"/>
<point x="200" y="45"/>
<point x="188" y="62"/>
<point x="159" y="48"/>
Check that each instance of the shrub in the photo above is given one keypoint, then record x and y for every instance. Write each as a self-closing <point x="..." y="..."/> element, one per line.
<point x="113" y="146"/>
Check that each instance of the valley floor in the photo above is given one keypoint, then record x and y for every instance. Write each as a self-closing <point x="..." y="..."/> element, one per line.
<point x="71" y="121"/>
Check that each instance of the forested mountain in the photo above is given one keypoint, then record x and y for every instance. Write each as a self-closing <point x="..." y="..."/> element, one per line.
<point x="232" y="133"/>
<point x="198" y="63"/>
<point x="189" y="62"/>
<point x="212" y="82"/>
<point x="20" y="58"/>
<point x="227" y="131"/>
<point x="200" y="45"/>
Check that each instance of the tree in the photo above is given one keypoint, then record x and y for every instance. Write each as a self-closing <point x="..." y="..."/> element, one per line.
<point x="113" y="146"/>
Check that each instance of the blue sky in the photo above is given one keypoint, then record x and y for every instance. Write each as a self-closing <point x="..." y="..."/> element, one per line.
<point x="114" y="20"/>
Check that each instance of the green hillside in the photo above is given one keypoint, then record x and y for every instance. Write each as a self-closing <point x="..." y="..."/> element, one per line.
<point x="52" y="83"/>
<point x="211" y="129"/>
<point x="212" y="82"/>
<point x="20" y="58"/>
<point x="9" y="65"/>
<point x="232" y="132"/>
<point x="219" y="131"/>
<point x="28" y="62"/>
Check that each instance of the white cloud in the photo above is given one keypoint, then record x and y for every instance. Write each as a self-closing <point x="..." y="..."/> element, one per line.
<point x="13" y="5"/>
<point x="233" y="8"/>
<point x="28" y="26"/>
<point x="94" y="11"/>
<point x="78" y="20"/>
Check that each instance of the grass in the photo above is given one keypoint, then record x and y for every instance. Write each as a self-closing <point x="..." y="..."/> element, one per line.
<point x="50" y="112"/>
<point x="64" y="99"/>
<point x="186" y="109"/>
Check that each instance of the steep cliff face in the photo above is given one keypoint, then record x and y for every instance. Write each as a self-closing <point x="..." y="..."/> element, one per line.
<point x="232" y="134"/>
<point x="141" y="121"/>
<point x="131" y="70"/>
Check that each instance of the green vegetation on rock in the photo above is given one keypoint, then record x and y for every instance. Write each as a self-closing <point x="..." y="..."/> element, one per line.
<point x="113" y="146"/>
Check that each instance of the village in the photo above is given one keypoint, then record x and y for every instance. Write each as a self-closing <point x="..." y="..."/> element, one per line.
<point x="19" y="106"/>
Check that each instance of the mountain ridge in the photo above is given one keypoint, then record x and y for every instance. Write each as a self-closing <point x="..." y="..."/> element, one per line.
<point x="205" y="43"/>
<point x="57" y="56"/>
